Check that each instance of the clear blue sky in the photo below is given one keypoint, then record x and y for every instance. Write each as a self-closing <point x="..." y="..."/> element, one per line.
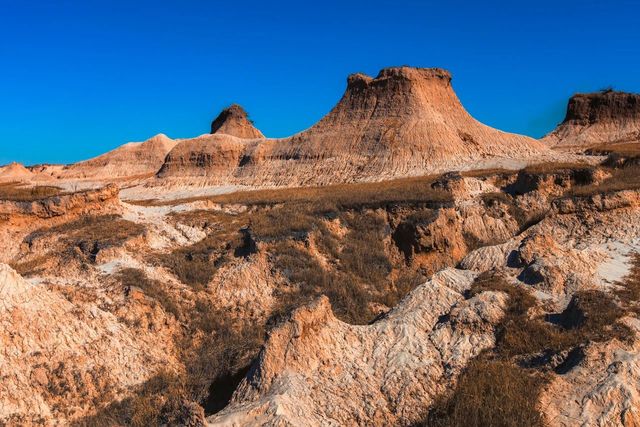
<point x="78" y="78"/>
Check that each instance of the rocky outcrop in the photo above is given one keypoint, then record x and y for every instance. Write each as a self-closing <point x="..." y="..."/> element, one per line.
<point x="592" y="119"/>
<point x="104" y="200"/>
<point x="57" y="354"/>
<point x="601" y="390"/>
<point x="135" y="159"/>
<point x="235" y="121"/>
<point x="406" y="121"/>
<point x="207" y="156"/>
<point x="316" y="370"/>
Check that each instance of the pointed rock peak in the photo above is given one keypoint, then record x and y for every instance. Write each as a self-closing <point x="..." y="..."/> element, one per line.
<point x="235" y="121"/>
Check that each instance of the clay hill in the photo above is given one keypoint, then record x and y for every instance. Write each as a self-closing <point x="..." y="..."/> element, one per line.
<point x="235" y="121"/>
<point x="128" y="160"/>
<point x="406" y="121"/>
<point x="606" y="117"/>
<point x="14" y="172"/>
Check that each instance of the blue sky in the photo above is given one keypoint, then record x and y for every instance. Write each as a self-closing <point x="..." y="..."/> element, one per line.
<point x="78" y="78"/>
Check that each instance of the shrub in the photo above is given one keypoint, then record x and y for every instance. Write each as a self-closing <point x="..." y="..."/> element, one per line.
<point x="196" y="264"/>
<point x="489" y="394"/>
<point x="152" y="403"/>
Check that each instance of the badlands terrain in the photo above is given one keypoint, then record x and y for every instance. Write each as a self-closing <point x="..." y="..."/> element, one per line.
<point x="398" y="263"/>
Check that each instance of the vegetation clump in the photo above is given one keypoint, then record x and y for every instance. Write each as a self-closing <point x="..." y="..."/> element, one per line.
<point x="501" y="386"/>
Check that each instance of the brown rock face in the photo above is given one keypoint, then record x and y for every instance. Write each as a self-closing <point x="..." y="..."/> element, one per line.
<point x="406" y="121"/>
<point x="599" y="118"/>
<point x="235" y="121"/>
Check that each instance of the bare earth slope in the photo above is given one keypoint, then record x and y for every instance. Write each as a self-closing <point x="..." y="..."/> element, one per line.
<point x="132" y="159"/>
<point x="15" y="172"/>
<point x="406" y="121"/>
<point x="598" y="118"/>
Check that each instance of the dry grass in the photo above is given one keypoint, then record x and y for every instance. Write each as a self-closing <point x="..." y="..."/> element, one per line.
<point x="358" y="273"/>
<point x="109" y="230"/>
<point x="214" y="363"/>
<point x="90" y="234"/>
<point x="349" y="298"/>
<point x="554" y="167"/>
<point x="155" y="402"/>
<point x="623" y="149"/>
<point x="339" y="196"/>
<point x="132" y="277"/>
<point x="592" y="316"/>
<point x="484" y="173"/>
<point x="525" y="218"/>
<point x="32" y="267"/>
<point x="501" y="386"/>
<point x="623" y="178"/>
<point x="490" y="394"/>
<point x="364" y="253"/>
<point x="629" y="288"/>
<point x="18" y="192"/>
<point x="196" y="264"/>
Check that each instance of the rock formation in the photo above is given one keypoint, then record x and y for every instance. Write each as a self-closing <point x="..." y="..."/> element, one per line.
<point x="406" y="121"/>
<point x="135" y="159"/>
<point x="80" y="203"/>
<point x="234" y="121"/>
<point x="387" y="373"/>
<point x="15" y="172"/>
<point x="471" y="293"/>
<point x="607" y="117"/>
<point x="57" y="349"/>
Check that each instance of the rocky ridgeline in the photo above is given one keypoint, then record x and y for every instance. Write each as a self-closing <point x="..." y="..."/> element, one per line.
<point x="405" y="121"/>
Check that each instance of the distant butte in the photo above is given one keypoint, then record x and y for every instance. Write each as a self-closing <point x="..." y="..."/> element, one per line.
<point x="606" y="117"/>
